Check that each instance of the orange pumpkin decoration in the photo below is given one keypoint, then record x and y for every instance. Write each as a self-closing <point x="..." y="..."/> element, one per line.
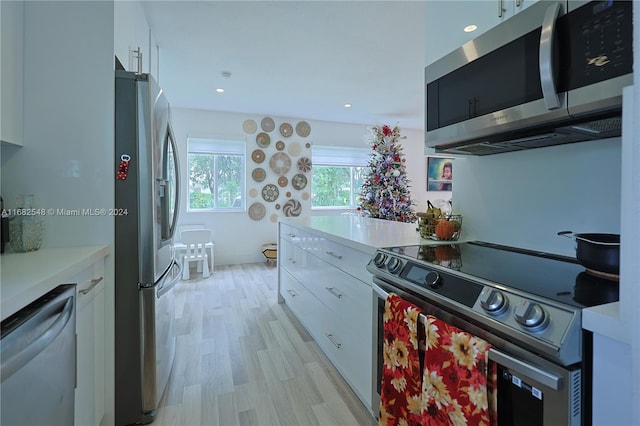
<point x="445" y="229"/>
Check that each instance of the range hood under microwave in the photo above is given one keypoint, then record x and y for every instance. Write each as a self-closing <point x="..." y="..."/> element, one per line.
<point x="550" y="75"/>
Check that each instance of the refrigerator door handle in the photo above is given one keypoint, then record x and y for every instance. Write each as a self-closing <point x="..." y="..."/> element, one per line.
<point x="167" y="287"/>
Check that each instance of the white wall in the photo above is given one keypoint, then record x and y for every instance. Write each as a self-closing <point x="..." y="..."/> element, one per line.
<point x="238" y="238"/>
<point x="524" y="198"/>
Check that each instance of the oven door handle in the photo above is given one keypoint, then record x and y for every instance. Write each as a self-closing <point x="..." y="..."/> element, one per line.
<point x="533" y="372"/>
<point x="383" y="294"/>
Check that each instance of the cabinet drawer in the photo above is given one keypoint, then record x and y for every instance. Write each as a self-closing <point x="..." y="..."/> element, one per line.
<point x="348" y="298"/>
<point x="302" y="303"/>
<point x="294" y="260"/>
<point x="351" y="261"/>
<point x="350" y="350"/>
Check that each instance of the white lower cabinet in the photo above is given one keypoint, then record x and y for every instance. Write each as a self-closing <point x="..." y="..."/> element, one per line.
<point x="321" y="282"/>
<point x="90" y="330"/>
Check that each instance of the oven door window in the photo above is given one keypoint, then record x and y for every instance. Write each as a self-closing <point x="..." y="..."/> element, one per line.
<point x="519" y="403"/>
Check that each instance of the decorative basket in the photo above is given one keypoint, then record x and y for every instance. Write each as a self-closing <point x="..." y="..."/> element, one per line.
<point x="447" y="228"/>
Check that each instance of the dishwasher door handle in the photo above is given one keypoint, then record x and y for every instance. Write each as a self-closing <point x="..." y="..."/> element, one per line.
<point x="14" y="362"/>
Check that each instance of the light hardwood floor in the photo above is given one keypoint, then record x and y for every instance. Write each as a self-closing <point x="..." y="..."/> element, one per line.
<point x="244" y="359"/>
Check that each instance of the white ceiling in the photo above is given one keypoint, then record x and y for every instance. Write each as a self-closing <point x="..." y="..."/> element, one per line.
<point x="300" y="59"/>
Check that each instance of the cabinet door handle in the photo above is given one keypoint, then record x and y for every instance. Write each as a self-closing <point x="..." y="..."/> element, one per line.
<point x="291" y="260"/>
<point x="330" y="253"/>
<point x="333" y="340"/>
<point x="333" y="291"/>
<point x="292" y="293"/>
<point x="94" y="282"/>
<point x="518" y="3"/>
<point x="500" y="9"/>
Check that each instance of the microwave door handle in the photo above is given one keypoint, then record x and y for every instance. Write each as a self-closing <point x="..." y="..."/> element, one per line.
<point x="549" y="92"/>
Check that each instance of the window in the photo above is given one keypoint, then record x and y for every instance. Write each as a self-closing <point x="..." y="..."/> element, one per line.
<point x="216" y="175"/>
<point x="337" y="176"/>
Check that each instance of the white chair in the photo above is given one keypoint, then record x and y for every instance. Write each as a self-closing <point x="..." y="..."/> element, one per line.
<point x="179" y="248"/>
<point x="195" y="241"/>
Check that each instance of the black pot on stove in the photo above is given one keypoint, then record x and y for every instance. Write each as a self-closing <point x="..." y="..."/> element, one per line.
<point x="592" y="290"/>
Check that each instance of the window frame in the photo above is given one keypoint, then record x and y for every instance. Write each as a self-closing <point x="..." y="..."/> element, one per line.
<point x="342" y="157"/>
<point x="217" y="146"/>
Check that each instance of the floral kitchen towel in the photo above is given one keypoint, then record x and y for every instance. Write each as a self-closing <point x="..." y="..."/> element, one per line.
<point x="454" y="384"/>
<point x="401" y="394"/>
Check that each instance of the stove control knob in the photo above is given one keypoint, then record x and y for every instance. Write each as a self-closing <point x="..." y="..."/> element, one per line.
<point x="493" y="301"/>
<point x="432" y="279"/>
<point x="394" y="265"/>
<point x="531" y="315"/>
<point x="380" y="259"/>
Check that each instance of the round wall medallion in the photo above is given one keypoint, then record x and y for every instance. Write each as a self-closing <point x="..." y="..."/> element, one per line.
<point x="253" y="192"/>
<point x="263" y="139"/>
<point x="267" y="124"/>
<point x="258" y="174"/>
<point x="274" y="217"/>
<point x="270" y="193"/>
<point x="258" y="156"/>
<point x="305" y="196"/>
<point x="279" y="145"/>
<point x="299" y="181"/>
<point x="283" y="181"/>
<point x="303" y="129"/>
<point x="304" y="164"/>
<point x="277" y="206"/>
<point x="294" y="149"/>
<point x="257" y="211"/>
<point x="308" y="145"/>
<point x="286" y="130"/>
<point x="249" y="126"/>
<point x="280" y="163"/>
<point x="292" y="208"/>
<point x="288" y="194"/>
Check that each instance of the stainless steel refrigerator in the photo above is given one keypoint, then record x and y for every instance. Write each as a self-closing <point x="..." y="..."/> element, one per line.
<point x="146" y="207"/>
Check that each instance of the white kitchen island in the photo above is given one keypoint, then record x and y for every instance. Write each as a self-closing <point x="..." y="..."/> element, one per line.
<point x="322" y="277"/>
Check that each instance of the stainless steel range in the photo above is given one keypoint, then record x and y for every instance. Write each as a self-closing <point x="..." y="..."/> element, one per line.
<point x="527" y="305"/>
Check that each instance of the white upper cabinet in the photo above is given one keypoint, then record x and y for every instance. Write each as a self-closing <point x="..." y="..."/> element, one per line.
<point x="446" y="21"/>
<point x="12" y="84"/>
<point x="131" y="32"/>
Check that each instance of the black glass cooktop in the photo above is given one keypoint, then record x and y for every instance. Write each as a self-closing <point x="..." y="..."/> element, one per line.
<point x="554" y="277"/>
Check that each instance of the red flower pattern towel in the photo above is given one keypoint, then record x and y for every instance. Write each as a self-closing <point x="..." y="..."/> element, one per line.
<point x="401" y="394"/>
<point x="454" y="384"/>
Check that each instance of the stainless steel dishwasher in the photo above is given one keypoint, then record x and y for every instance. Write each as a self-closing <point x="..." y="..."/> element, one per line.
<point x="38" y="361"/>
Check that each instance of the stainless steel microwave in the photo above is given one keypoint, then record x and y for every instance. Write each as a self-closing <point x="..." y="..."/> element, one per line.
<point x="549" y="75"/>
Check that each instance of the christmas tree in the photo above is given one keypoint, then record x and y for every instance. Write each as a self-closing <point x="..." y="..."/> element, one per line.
<point x="385" y="191"/>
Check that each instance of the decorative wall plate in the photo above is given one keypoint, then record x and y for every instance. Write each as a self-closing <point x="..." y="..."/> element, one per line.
<point x="304" y="164"/>
<point x="249" y="126"/>
<point x="280" y="163"/>
<point x="286" y="130"/>
<point x="258" y="174"/>
<point x="303" y="129"/>
<point x="277" y="206"/>
<point x="288" y="194"/>
<point x="257" y="211"/>
<point x="283" y="181"/>
<point x="294" y="149"/>
<point x="270" y="193"/>
<point x="267" y="124"/>
<point x="263" y="139"/>
<point x="308" y="145"/>
<point x="305" y="196"/>
<point x="299" y="181"/>
<point x="258" y="156"/>
<point x="292" y="208"/>
<point x="253" y="192"/>
<point x="274" y="217"/>
<point x="279" y="145"/>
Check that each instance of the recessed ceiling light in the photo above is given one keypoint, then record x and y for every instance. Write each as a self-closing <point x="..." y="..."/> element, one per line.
<point x="220" y="90"/>
<point x="470" y="28"/>
<point x="347" y="105"/>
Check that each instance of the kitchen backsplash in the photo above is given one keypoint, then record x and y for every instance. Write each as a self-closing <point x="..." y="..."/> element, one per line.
<point x="525" y="198"/>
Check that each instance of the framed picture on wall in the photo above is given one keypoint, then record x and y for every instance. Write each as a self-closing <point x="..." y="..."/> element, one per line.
<point x="439" y="174"/>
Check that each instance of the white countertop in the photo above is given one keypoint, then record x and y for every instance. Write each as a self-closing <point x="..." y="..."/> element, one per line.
<point x="362" y="233"/>
<point x="605" y="320"/>
<point x="26" y="276"/>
